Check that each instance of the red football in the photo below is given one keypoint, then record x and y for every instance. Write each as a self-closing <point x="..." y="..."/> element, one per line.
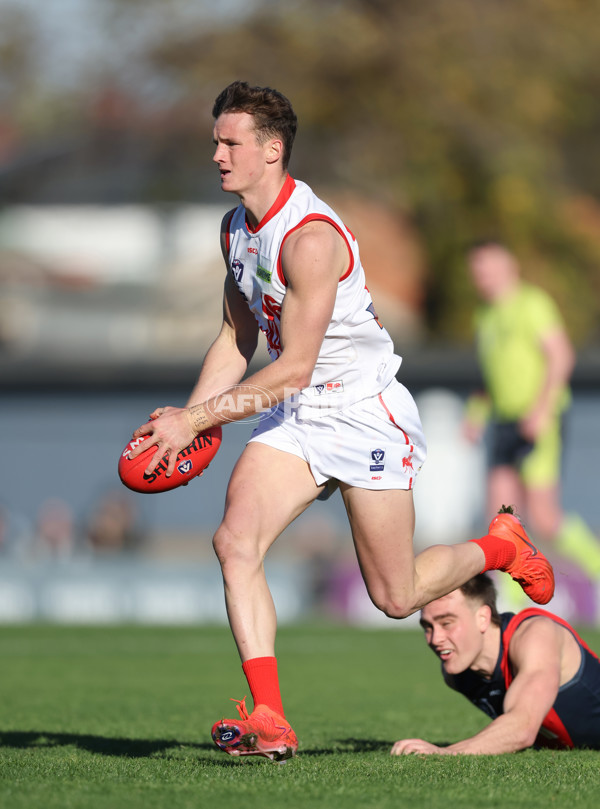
<point x="191" y="461"/>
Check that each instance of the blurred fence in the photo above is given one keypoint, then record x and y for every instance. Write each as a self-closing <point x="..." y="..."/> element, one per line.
<point x="75" y="545"/>
<point x="133" y="590"/>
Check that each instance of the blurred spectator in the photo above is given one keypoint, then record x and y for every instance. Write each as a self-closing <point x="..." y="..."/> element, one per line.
<point x="16" y="535"/>
<point x="55" y="529"/>
<point x="113" y="525"/>
<point x="527" y="360"/>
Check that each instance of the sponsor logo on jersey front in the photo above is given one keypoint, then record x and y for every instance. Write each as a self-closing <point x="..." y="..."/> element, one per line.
<point x="377" y="460"/>
<point x="272" y="312"/>
<point x="264" y="268"/>
<point x="263" y="274"/>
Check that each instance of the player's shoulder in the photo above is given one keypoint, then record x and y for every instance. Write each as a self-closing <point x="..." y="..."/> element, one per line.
<point x="526" y="619"/>
<point x="532" y="630"/>
<point x="315" y="235"/>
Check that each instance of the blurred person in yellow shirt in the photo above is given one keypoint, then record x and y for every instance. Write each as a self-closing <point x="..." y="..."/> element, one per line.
<point x="526" y="359"/>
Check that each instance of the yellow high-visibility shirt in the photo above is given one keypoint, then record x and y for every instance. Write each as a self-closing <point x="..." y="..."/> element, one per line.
<point x="509" y="345"/>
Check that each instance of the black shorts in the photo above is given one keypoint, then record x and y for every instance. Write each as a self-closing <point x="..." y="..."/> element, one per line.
<point x="507" y="446"/>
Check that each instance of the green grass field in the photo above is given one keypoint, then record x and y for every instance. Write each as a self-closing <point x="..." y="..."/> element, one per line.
<point x="121" y="717"/>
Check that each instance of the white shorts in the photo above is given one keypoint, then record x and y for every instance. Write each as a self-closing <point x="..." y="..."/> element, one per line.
<point x="377" y="443"/>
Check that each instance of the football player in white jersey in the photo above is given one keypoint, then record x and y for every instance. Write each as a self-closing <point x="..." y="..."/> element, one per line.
<point x="336" y="416"/>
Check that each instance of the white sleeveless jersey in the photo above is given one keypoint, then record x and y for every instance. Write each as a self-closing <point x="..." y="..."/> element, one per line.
<point x="357" y="357"/>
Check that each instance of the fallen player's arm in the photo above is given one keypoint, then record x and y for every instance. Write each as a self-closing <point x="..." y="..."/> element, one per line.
<point x="535" y="654"/>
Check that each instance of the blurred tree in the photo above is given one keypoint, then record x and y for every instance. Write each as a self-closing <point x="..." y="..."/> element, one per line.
<point x="474" y="118"/>
<point x="471" y="118"/>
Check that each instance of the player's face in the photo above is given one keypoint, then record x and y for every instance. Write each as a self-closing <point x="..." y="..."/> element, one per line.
<point x="240" y="157"/>
<point x="454" y="631"/>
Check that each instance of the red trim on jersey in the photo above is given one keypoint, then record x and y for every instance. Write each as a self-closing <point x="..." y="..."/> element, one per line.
<point x="315" y="217"/>
<point x="552" y="721"/>
<point x="283" y="196"/>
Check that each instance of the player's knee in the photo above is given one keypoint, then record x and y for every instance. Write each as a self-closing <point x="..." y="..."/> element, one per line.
<point x="400" y="609"/>
<point x="221" y="544"/>
<point x="233" y="549"/>
<point x="394" y="605"/>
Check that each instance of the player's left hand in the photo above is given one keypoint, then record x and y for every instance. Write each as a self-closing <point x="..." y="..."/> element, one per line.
<point x="418" y="746"/>
<point x="170" y="429"/>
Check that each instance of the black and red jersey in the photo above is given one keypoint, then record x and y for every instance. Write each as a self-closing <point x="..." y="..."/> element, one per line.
<point x="573" y="720"/>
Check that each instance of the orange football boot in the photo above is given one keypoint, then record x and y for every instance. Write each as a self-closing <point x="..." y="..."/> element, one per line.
<point x="261" y="733"/>
<point x="530" y="568"/>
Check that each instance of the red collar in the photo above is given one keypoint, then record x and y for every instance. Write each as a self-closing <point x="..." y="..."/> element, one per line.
<point x="282" y="198"/>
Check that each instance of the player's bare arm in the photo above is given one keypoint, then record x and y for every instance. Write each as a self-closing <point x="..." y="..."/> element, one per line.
<point x="313" y="259"/>
<point x="536" y="653"/>
<point x="226" y="362"/>
<point x="229" y="356"/>
<point x="173" y="428"/>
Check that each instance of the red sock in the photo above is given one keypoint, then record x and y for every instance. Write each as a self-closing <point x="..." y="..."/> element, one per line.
<point x="499" y="553"/>
<point x="261" y="673"/>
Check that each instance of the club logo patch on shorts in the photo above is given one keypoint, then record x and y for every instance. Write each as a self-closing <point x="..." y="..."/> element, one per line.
<point x="377" y="460"/>
<point x="329" y="387"/>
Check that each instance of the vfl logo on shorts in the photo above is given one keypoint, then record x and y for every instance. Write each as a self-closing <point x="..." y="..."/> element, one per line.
<point x="184" y="467"/>
<point x="377" y="460"/>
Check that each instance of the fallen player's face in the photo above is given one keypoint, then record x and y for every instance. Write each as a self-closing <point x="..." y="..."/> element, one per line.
<point x="453" y="631"/>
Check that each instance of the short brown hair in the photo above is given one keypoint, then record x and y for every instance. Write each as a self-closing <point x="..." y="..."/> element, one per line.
<point x="272" y="112"/>
<point x="481" y="588"/>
